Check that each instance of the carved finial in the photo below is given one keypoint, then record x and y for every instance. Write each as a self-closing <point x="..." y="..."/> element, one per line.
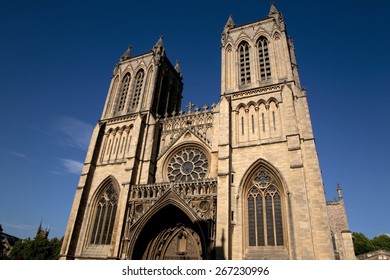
<point x="273" y="12"/>
<point x="127" y="54"/>
<point x="272" y="9"/>
<point x="160" y="41"/>
<point x="205" y="107"/>
<point x="173" y="113"/>
<point x="181" y="112"/>
<point x="177" y="68"/>
<point x="190" y="106"/>
<point x="158" y="50"/>
<point x="230" y="23"/>
<point x="197" y="109"/>
<point x="213" y="106"/>
<point x="116" y="69"/>
<point x="339" y="191"/>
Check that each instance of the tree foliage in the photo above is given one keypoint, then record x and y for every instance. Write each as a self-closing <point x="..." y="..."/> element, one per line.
<point x="40" y="248"/>
<point x="381" y="242"/>
<point x="363" y="245"/>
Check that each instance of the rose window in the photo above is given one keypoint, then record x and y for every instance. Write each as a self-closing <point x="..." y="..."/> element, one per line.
<point x="188" y="164"/>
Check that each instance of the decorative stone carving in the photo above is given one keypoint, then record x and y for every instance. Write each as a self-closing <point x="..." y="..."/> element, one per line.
<point x="188" y="164"/>
<point x="199" y="195"/>
<point x="174" y="127"/>
<point x="257" y="91"/>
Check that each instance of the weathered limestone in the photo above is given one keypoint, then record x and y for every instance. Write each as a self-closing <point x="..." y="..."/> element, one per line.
<point x="238" y="180"/>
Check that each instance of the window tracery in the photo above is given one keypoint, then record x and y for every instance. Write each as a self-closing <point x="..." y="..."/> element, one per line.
<point x="188" y="164"/>
<point x="245" y="70"/>
<point x="264" y="211"/>
<point x="139" y="80"/>
<point x="122" y="94"/>
<point x="265" y="67"/>
<point x="103" y="222"/>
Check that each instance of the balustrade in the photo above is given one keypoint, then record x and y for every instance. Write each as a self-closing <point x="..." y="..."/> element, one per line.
<point x="187" y="189"/>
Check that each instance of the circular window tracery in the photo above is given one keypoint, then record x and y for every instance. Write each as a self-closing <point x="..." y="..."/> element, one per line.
<point x="188" y="164"/>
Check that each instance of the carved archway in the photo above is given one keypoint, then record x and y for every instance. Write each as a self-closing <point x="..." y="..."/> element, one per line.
<point x="179" y="242"/>
<point x="170" y="235"/>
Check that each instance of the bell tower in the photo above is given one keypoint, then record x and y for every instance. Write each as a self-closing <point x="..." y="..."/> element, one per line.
<point x="257" y="54"/>
<point x="271" y="202"/>
<point x="144" y="83"/>
<point x="122" y="151"/>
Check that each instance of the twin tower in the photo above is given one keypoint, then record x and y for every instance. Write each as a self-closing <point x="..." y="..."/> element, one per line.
<point x="237" y="180"/>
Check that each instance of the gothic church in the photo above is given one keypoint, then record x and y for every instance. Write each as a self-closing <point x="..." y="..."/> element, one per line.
<point x="237" y="180"/>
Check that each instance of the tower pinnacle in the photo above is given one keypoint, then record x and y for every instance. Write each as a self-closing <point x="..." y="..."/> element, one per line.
<point x="230" y="23"/>
<point x="158" y="49"/>
<point x="274" y="13"/>
<point x="126" y="55"/>
<point x="272" y="9"/>
<point x="177" y="68"/>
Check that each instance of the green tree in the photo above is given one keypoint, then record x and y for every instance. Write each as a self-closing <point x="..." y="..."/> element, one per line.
<point x="362" y="244"/>
<point x="381" y="242"/>
<point x="40" y="248"/>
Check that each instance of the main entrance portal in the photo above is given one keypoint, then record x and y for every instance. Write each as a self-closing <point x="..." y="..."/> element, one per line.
<point x="170" y="235"/>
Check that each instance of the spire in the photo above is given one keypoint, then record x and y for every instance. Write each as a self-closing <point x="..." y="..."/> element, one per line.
<point x="126" y="55"/>
<point x="42" y="232"/>
<point x="159" y="50"/>
<point x="39" y="227"/>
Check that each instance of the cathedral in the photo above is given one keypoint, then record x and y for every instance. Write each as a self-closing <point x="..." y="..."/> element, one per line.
<point x="235" y="180"/>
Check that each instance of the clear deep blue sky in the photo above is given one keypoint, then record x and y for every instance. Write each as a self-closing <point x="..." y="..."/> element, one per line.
<point x="56" y="61"/>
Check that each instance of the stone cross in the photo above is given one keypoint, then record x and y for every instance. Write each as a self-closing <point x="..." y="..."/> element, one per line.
<point x="190" y="106"/>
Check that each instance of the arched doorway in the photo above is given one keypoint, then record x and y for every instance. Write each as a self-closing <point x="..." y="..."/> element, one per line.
<point x="170" y="235"/>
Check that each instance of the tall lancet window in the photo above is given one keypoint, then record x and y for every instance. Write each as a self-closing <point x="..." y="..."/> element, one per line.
<point x="139" y="80"/>
<point x="105" y="211"/>
<point x="245" y="69"/>
<point x="265" y="67"/>
<point x="264" y="211"/>
<point x="122" y="93"/>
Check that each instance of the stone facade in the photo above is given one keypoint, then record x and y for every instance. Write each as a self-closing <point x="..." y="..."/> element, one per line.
<point x="341" y="235"/>
<point x="375" y="255"/>
<point x="237" y="180"/>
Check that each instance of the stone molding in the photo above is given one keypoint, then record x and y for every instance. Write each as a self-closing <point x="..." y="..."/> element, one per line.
<point x="261" y="90"/>
<point x="198" y="195"/>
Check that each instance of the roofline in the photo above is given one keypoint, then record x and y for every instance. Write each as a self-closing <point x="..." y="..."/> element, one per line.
<point x="251" y="23"/>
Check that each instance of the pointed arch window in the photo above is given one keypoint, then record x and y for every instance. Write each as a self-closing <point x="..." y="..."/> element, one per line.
<point x="111" y="101"/>
<point x="122" y="94"/>
<point x="265" y="67"/>
<point x="139" y="80"/>
<point x="103" y="222"/>
<point x="245" y="69"/>
<point x="264" y="211"/>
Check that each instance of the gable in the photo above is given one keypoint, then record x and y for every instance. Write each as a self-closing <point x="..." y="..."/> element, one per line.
<point x="188" y="135"/>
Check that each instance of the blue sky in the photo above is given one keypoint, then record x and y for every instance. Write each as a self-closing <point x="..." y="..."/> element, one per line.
<point x="56" y="61"/>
